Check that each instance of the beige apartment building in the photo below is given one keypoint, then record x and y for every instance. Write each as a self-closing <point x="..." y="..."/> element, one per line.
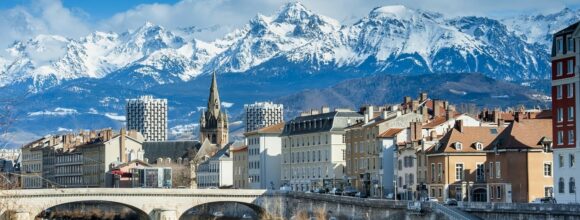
<point x="504" y="163"/>
<point x="240" y="157"/>
<point x="365" y="152"/>
<point x="78" y="160"/>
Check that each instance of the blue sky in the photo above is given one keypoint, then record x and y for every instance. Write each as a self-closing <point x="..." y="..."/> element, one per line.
<point x="23" y="19"/>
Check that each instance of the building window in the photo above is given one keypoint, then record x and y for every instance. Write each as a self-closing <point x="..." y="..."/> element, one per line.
<point x="559" y="68"/>
<point x="439" y="171"/>
<point x="560" y="45"/>
<point x="570" y="92"/>
<point x="561" y="185"/>
<point x="571" y="113"/>
<point x="571" y="137"/>
<point x="497" y="170"/>
<point x="432" y="172"/>
<point x="570" y="67"/>
<point x="478" y="146"/>
<point x="560" y="114"/>
<point x="572" y="185"/>
<point x="548" y="191"/>
<point x="458" y="146"/>
<point x="498" y="193"/>
<point x="560" y="160"/>
<point x="480" y="172"/>
<point x="459" y="171"/>
<point x="560" y="137"/>
<point x="570" y="44"/>
<point x="491" y="170"/>
<point x="572" y="160"/>
<point x="547" y="169"/>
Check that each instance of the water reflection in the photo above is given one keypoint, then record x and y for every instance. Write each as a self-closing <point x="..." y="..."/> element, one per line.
<point x="92" y="210"/>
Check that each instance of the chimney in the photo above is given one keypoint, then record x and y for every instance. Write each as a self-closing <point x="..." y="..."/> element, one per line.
<point x="519" y="116"/>
<point x="313" y="112"/>
<point x="325" y="109"/>
<point x="414" y="105"/>
<point x="416" y="128"/>
<point x="122" y="154"/>
<point x="500" y="123"/>
<point x="425" y="113"/>
<point x="370" y="111"/>
<point x="437" y="105"/>
<point x="448" y="114"/>
<point x="459" y="125"/>
<point x="384" y="114"/>
<point x="406" y="99"/>
<point x="433" y="135"/>
<point x="422" y="96"/>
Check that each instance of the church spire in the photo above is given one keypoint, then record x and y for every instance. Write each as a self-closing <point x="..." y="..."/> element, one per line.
<point x="213" y="103"/>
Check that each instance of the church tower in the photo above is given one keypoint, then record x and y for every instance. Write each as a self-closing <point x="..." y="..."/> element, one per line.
<point x="213" y="123"/>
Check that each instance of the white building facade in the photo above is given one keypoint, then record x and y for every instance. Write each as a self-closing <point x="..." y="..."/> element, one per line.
<point x="313" y="149"/>
<point x="264" y="154"/>
<point x="217" y="171"/>
<point x="262" y="114"/>
<point x="148" y="116"/>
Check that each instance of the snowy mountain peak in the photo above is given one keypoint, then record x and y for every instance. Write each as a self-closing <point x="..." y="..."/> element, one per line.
<point x="393" y="11"/>
<point x="292" y="11"/>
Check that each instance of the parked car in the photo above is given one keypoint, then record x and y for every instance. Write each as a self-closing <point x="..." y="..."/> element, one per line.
<point x="451" y="202"/>
<point x="545" y="200"/>
<point x="431" y="199"/>
<point x="361" y="195"/>
<point x="390" y="196"/>
<point x="321" y="191"/>
<point x="285" y="188"/>
<point x="349" y="191"/>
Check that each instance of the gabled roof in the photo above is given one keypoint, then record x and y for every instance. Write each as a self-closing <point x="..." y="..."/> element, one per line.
<point x="467" y="138"/>
<point x="140" y="162"/>
<point x="272" y="129"/>
<point x="525" y="134"/>
<point x="391" y="132"/>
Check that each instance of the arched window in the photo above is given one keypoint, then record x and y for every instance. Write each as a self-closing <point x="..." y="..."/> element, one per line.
<point x="561" y="185"/>
<point x="478" y="146"/>
<point x="572" y="185"/>
<point x="458" y="146"/>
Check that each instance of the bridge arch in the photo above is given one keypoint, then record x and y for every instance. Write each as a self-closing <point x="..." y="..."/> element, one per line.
<point x="94" y="208"/>
<point x="238" y="208"/>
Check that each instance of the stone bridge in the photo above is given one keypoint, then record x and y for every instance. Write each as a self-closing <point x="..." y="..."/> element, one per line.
<point x="157" y="204"/>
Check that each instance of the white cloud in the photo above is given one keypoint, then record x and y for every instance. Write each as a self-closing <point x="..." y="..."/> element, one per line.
<point x="227" y="104"/>
<point x="56" y="112"/>
<point x="115" y="116"/>
<point x="41" y="17"/>
<point x="222" y="16"/>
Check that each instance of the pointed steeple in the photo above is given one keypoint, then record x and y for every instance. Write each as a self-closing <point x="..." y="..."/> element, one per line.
<point x="213" y="103"/>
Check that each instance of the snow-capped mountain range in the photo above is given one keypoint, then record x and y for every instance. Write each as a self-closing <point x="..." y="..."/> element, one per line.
<point x="63" y="84"/>
<point x="391" y="39"/>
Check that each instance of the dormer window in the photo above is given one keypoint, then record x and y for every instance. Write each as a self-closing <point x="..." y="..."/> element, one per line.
<point x="458" y="146"/>
<point x="478" y="146"/>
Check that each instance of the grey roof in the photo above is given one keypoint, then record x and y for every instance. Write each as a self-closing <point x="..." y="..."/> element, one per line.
<point x="331" y="121"/>
<point x="224" y="152"/>
<point x="169" y="149"/>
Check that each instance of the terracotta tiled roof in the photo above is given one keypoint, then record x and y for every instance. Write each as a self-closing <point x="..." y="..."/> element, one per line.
<point x="525" y="134"/>
<point x="272" y="129"/>
<point x="435" y="122"/>
<point x="391" y="132"/>
<point x="468" y="138"/>
<point x="241" y="148"/>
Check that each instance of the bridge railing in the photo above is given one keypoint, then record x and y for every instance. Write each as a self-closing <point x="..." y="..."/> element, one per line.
<point x="520" y="207"/>
<point x="452" y="213"/>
